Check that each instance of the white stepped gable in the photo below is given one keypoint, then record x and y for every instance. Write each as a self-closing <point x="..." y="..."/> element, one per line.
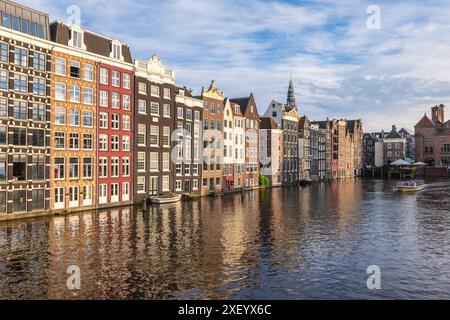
<point x="154" y="70"/>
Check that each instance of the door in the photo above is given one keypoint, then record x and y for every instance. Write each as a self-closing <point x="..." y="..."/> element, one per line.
<point x="153" y="186"/>
<point x="187" y="186"/>
<point x="74" y="194"/>
<point x="59" y="198"/>
<point x="87" y="195"/>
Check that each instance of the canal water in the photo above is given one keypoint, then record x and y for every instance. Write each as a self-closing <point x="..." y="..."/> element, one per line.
<point x="290" y="243"/>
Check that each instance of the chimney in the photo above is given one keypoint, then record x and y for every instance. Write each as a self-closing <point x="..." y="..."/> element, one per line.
<point x="437" y="114"/>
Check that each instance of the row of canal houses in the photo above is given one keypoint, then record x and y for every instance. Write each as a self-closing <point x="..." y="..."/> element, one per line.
<point x="83" y="125"/>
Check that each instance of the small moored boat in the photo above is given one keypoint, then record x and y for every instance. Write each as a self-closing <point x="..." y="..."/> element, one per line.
<point x="410" y="186"/>
<point x="166" y="198"/>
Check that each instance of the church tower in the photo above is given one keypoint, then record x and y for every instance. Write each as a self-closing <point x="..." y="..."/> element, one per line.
<point x="291" y="104"/>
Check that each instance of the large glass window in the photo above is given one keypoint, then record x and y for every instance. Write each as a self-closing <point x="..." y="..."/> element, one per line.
<point x="38" y="167"/>
<point x="87" y="168"/>
<point x="60" y="140"/>
<point x="38" y="196"/>
<point x="21" y="57"/>
<point x="74" y="168"/>
<point x="20" y="110"/>
<point x="74" y="117"/>
<point x="88" y="72"/>
<point x="19" y="136"/>
<point x="88" y="119"/>
<point x="60" y="116"/>
<point x="60" y="91"/>
<point x="39" y="86"/>
<point x="4" y="52"/>
<point x="87" y="141"/>
<point x="20" y="167"/>
<point x="75" y="94"/>
<point x="39" y="61"/>
<point x="3" y="201"/>
<point x="19" y="200"/>
<point x="3" y="167"/>
<point x="60" y="66"/>
<point x="38" y="138"/>
<point x="4" y="79"/>
<point x="20" y="83"/>
<point x="39" y="112"/>
<point x="88" y="96"/>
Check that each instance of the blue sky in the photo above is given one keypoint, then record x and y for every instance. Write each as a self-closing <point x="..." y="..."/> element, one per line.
<point x="341" y="68"/>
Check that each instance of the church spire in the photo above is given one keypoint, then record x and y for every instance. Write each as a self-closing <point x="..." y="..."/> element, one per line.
<point x="291" y="96"/>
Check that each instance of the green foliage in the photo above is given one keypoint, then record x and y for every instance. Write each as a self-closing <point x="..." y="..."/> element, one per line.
<point x="264" y="181"/>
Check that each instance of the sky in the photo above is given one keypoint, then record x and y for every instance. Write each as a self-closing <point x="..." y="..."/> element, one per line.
<point x="386" y="65"/>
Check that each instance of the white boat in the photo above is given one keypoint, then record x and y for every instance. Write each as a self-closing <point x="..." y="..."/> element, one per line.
<point x="165" y="199"/>
<point x="410" y="186"/>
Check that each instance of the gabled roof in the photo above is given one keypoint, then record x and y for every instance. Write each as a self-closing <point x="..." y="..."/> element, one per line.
<point x="268" y="123"/>
<point x="95" y="43"/>
<point x="425" y="122"/>
<point x="322" y="124"/>
<point x="304" y="121"/>
<point x="242" y="102"/>
<point x="233" y="109"/>
<point x="393" y="134"/>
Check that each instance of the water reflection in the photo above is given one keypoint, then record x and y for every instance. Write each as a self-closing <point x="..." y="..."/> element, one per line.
<point x="313" y="242"/>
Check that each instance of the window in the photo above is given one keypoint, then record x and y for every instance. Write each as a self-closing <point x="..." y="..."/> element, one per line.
<point x="60" y="140"/>
<point x="166" y="137"/>
<point x="154" y="109"/>
<point x="104" y="75"/>
<point x="103" y="167"/>
<point x="76" y="39"/>
<point x="114" y="192"/>
<point x="4" y="52"/>
<point x="60" y="91"/>
<point x="38" y="168"/>
<point x="3" y="167"/>
<point x="195" y="169"/>
<point x="188" y="114"/>
<point x="20" y="110"/>
<point x="4" y="79"/>
<point x="103" y="142"/>
<point x="88" y="96"/>
<point x="154" y="91"/>
<point x="38" y="138"/>
<point x="142" y="107"/>
<point x="19" y="200"/>
<point x="75" y="69"/>
<point x="126" y="167"/>
<point x="154" y="162"/>
<point x="115" y="143"/>
<point x="74" y="141"/>
<point x="39" y="61"/>
<point x="103" y="120"/>
<point x="60" y="116"/>
<point x="142" y="88"/>
<point x="87" y="141"/>
<point x="141" y="161"/>
<point x="3" y="107"/>
<point x="141" y="138"/>
<point x="60" y="66"/>
<point x="196" y="116"/>
<point x="115" y="100"/>
<point x="88" y="119"/>
<point x="115" y="78"/>
<point x="178" y="185"/>
<point x="166" y="110"/>
<point x="115" y="121"/>
<point x="19" y="167"/>
<point x="178" y="169"/>
<point x="166" y="161"/>
<point x="3" y="201"/>
<point x="38" y="199"/>
<point x="117" y="51"/>
<point x="59" y="168"/>
<point x="103" y="98"/>
<point x="165" y="183"/>
<point x="126" y="81"/>
<point x="74" y="168"/>
<point x="154" y="135"/>
<point x="125" y="143"/>
<point x="38" y="112"/>
<point x="114" y="167"/>
<point x="140" y="186"/>
<point x="166" y="93"/>
<point x="20" y="83"/>
<point x="74" y="117"/>
<point x="88" y="72"/>
<point x="180" y="113"/>
<point x="126" y="123"/>
<point x="21" y="57"/>
<point x="75" y="94"/>
<point x="126" y="102"/>
<point x="3" y="135"/>
<point x="39" y="86"/>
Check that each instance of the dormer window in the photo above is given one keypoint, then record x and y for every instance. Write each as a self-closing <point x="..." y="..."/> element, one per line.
<point x="117" y="51"/>
<point x="77" y="39"/>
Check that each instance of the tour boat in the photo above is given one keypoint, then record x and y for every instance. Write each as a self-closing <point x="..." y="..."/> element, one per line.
<point x="166" y="199"/>
<point x="410" y="186"/>
<point x="305" y="182"/>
